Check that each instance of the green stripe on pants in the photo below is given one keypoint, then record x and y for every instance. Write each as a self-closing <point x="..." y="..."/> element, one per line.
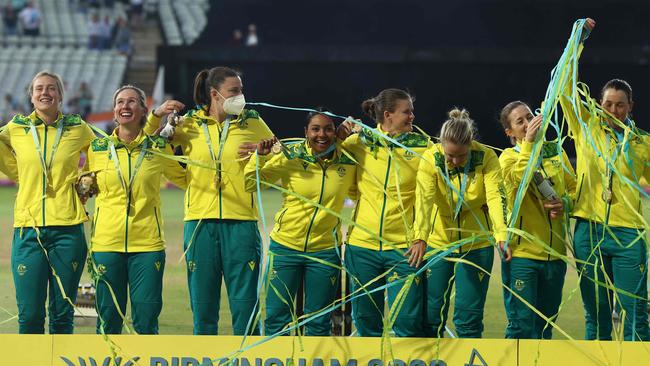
<point x="365" y="265"/>
<point x="290" y="267"/>
<point x="141" y="275"/>
<point x="621" y="255"/>
<point x="66" y="248"/>
<point x="228" y="248"/>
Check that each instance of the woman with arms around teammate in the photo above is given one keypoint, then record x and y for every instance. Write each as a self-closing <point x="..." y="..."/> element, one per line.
<point x="379" y="245"/>
<point x="462" y="177"/>
<point x="127" y="243"/>
<point x="317" y="170"/>
<point x="48" y="243"/>
<point x="536" y="271"/>
<point x="610" y="231"/>
<point x="221" y="237"/>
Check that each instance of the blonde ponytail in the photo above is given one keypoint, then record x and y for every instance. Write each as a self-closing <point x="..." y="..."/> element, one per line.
<point x="458" y="129"/>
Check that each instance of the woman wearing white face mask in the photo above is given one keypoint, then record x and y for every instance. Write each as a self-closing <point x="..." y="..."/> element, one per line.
<point x="221" y="234"/>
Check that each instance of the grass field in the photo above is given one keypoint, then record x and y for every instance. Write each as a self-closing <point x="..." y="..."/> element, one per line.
<point x="176" y="317"/>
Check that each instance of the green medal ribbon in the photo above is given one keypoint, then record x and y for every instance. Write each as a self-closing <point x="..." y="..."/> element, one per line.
<point x="461" y="189"/>
<point x="45" y="165"/>
<point x="609" y="167"/>
<point x="222" y="141"/>
<point x="138" y="164"/>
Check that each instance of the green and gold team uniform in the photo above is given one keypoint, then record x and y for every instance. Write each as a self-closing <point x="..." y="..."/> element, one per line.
<point x="48" y="236"/>
<point x="305" y="240"/>
<point x="127" y="240"/>
<point x="384" y="229"/>
<point x="536" y="272"/>
<point x="610" y="231"/>
<point x="221" y="237"/>
<point x="464" y="204"/>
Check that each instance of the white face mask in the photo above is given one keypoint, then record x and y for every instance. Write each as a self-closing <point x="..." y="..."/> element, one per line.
<point x="233" y="105"/>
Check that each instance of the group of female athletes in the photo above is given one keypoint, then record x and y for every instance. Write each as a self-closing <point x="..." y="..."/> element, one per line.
<point x="444" y="205"/>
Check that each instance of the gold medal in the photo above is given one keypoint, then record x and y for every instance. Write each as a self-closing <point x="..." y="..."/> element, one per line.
<point x="276" y="148"/>
<point x="607" y="186"/>
<point x="217" y="180"/>
<point x="49" y="186"/>
<point x="128" y="205"/>
<point x="49" y="189"/>
<point x="607" y="195"/>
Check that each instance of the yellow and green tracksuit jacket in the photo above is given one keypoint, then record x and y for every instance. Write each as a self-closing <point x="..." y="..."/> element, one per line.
<point x="630" y="149"/>
<point x="47" y="200"/>
<point x="204" y="198"/>
<point x="300" y="225"/>
<point x="484" y="208"/>
<point x="130" y="223"/>
<point x="533" y="218"/>
<point x="386" y="187"/>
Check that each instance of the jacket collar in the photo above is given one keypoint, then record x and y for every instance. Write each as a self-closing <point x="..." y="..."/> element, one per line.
<point x="394" y="137"/>
<point x="36" y="120"/>
<point x="136" y="142"/>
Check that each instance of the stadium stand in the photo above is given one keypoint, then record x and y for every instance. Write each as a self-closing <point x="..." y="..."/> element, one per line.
<point x="62" y="45"/>
<point x="62" y="26"/>
<point x="183" y="20"/>
<point x="104" y="69"/>
<point x="61" y="48"/>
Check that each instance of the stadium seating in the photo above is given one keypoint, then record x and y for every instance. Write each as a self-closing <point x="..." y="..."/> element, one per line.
<point x="103" y="70"/>
<point x="183" y="20"/>
<point x="61" y="48"/>
<point x="62" y="26"/>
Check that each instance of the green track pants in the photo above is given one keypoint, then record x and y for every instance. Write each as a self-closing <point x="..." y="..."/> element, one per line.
<point x="140" y="276"/>
<point x="471" y="290"/>
<point x="619" y="255"/>
<point x="290" y="268"/>
<point x="539" y="283"/>
<point x="228" y="249"/>
<point x="33" y="276"/>
<point x="366" y="266"/>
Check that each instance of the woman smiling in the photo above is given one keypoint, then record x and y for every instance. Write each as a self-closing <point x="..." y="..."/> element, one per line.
<point x="306" y="237"/>
<point x="127" y="242"/>
<point x="385" y="178"/>
<point x="49" y="246"/>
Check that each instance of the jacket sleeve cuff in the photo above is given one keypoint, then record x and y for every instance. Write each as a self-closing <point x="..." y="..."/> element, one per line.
<point x="526" y="147"/>
<point x="421" y="235"/>
<point x="501" y="235"/>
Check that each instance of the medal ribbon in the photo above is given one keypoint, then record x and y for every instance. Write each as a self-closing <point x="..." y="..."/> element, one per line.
<point x="461" y="189"/>
<point x="222" y="141"/>
<point x="609" y="167"/>
<point x="138" y="164"/>
<point x="45" y="165"/>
